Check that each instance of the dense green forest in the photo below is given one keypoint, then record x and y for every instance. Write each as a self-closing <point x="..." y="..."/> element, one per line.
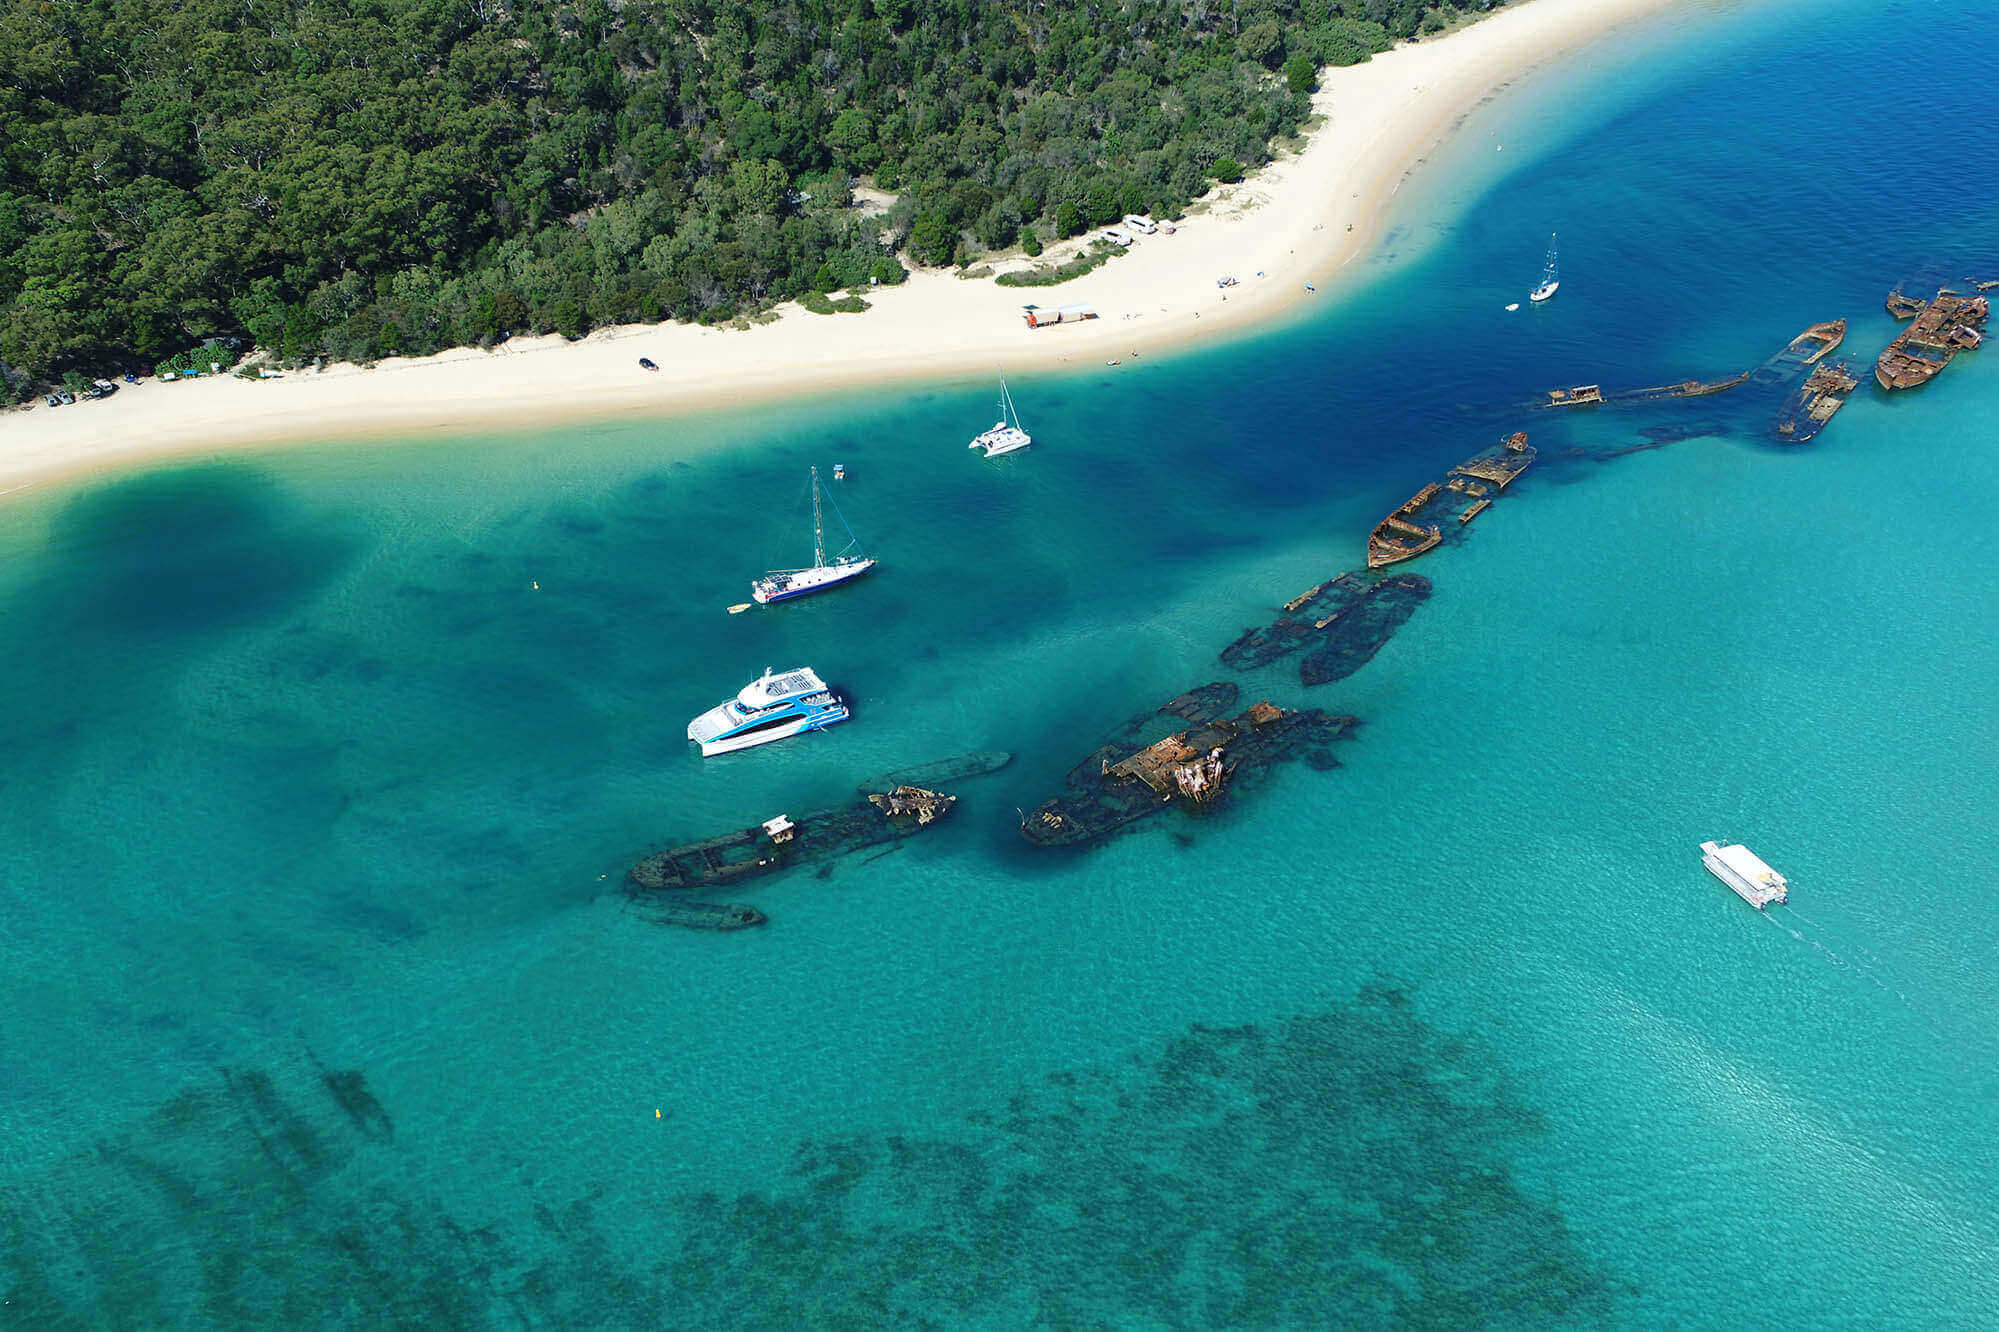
<point x="355" y="178"/>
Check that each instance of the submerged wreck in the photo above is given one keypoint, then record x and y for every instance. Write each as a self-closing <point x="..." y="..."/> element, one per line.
<point x="1805" y="412"/>
<point x="1344" y="621"/>
<point x="775" y="845"/>
<point x="1940" y="329"/>
<point x="1584" y="395"/>
<point x="1128" y="779"/>
<point x="1465" y="492"/>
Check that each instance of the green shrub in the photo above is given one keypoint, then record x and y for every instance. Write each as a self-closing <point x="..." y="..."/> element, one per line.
<point x="1046" y="276"/>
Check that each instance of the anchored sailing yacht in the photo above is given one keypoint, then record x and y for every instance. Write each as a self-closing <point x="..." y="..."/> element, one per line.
<point x="768" y="708"/>
<point x="1006" y="434"/>
<point x="784" y="584"/>
<point x="1551" y="277"/>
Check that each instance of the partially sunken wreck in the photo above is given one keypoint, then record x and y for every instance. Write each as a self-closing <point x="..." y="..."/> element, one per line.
<point x="1815" y="343"/>
<point x="1129" y="779"/>
<point x="1467" y="491"/>
<point x="1805" y="412"/>
<point x="1344" y="621"/>
<point x="778" y="844"/>
<point x="1940" y="329"/>
<point x="1584" y="395"/>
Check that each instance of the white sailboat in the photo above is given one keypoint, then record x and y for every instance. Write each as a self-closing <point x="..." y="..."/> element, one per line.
<point x="1006" y="435"/>
<point x="784" y="584"/>
<point x="1551" y="277"/>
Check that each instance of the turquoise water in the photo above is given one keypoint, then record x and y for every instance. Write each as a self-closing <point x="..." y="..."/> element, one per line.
<point x="325" y="1004"/>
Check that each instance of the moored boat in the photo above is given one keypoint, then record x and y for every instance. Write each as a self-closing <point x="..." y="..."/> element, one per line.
<point x="772" y="707"/>
<point x="785" y="584"/>
<point x="1551" y="277"/>
<point x="1007" y="435"/>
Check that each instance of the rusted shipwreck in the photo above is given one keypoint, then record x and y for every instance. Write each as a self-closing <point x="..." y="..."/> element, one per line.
<point x="1815" y="343"/>
<point x="1129" y="778"/>
<point x="1806" y="411"/>
<point x="1939" y="329"/>
<point x="1467" y="491"/>
<point x="1585" y="395"/>
<point x="1343" y="622"/>
<point x="774" y="845"/>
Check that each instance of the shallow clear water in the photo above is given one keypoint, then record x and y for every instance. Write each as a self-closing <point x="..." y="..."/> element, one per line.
<point x="324" y="1001"/>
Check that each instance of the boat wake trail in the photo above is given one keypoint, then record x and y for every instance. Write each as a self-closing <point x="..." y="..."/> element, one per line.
<point x="1862" y="962"/>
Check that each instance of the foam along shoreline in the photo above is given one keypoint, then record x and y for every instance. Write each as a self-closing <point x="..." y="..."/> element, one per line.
<point x="1298" y="220"/>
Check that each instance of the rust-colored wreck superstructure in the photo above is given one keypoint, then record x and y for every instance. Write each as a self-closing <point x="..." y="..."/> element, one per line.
<point x="1805" y="412"/>
<point x="1815" y="343"/>
<point x="1397" y="537"/>
<point x="1470" y="487"/>
<point x="1939" y="329"/>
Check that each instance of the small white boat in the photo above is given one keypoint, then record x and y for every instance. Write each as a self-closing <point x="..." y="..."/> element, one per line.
<point x="771" y="707"/>
<point x="1551" y="277"/>
<point x="1006" y="436"/>
<point x="1744" y="872"/>
<point x="784" y="584"/>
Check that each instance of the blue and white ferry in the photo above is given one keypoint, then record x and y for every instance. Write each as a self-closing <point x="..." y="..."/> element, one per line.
<point x="776" y="705"/>
<point x="784" y="584"/>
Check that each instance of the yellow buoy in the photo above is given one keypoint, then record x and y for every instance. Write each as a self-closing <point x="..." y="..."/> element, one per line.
<point x="537" y="587"/>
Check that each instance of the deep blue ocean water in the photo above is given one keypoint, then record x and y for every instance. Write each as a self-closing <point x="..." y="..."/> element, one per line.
<point x="324" y="1001"/>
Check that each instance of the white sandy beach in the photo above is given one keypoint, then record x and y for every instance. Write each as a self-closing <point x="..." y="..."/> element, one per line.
<point x="1297" y="221"/>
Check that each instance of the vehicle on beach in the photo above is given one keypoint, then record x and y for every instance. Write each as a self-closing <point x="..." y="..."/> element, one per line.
<point x="1117" y="238"/>
<point x="1226" y="282"/>
<point x="1144" y="226"/>
<point x="772" y="707"/>
<point x="645" y="363"/>
<point x="786" y="584"/>
<point x="1007" y="434"/>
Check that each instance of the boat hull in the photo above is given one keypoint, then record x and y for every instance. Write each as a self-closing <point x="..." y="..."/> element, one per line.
<point x="997" y="442"/>
<point x="1546" y="293"/>
<point x="804" y="582"/>
<point x="730" y="744"/>
<point x="1747" y="877"/>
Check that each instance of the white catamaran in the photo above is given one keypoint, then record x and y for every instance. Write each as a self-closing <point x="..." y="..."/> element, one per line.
<point x="1006" y="435"/>
<point x="784" y="584"/>
<point x="1551" y="277"/>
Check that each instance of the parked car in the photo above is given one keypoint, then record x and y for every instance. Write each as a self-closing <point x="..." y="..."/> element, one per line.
<point x="1144" y="226"/>
<point x="1117" y="238"/>
<point x="53" y="400"/>
<point x="646" y="362"/>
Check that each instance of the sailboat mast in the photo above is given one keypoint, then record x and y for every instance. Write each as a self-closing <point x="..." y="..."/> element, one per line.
<point x="818" y="530"/>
